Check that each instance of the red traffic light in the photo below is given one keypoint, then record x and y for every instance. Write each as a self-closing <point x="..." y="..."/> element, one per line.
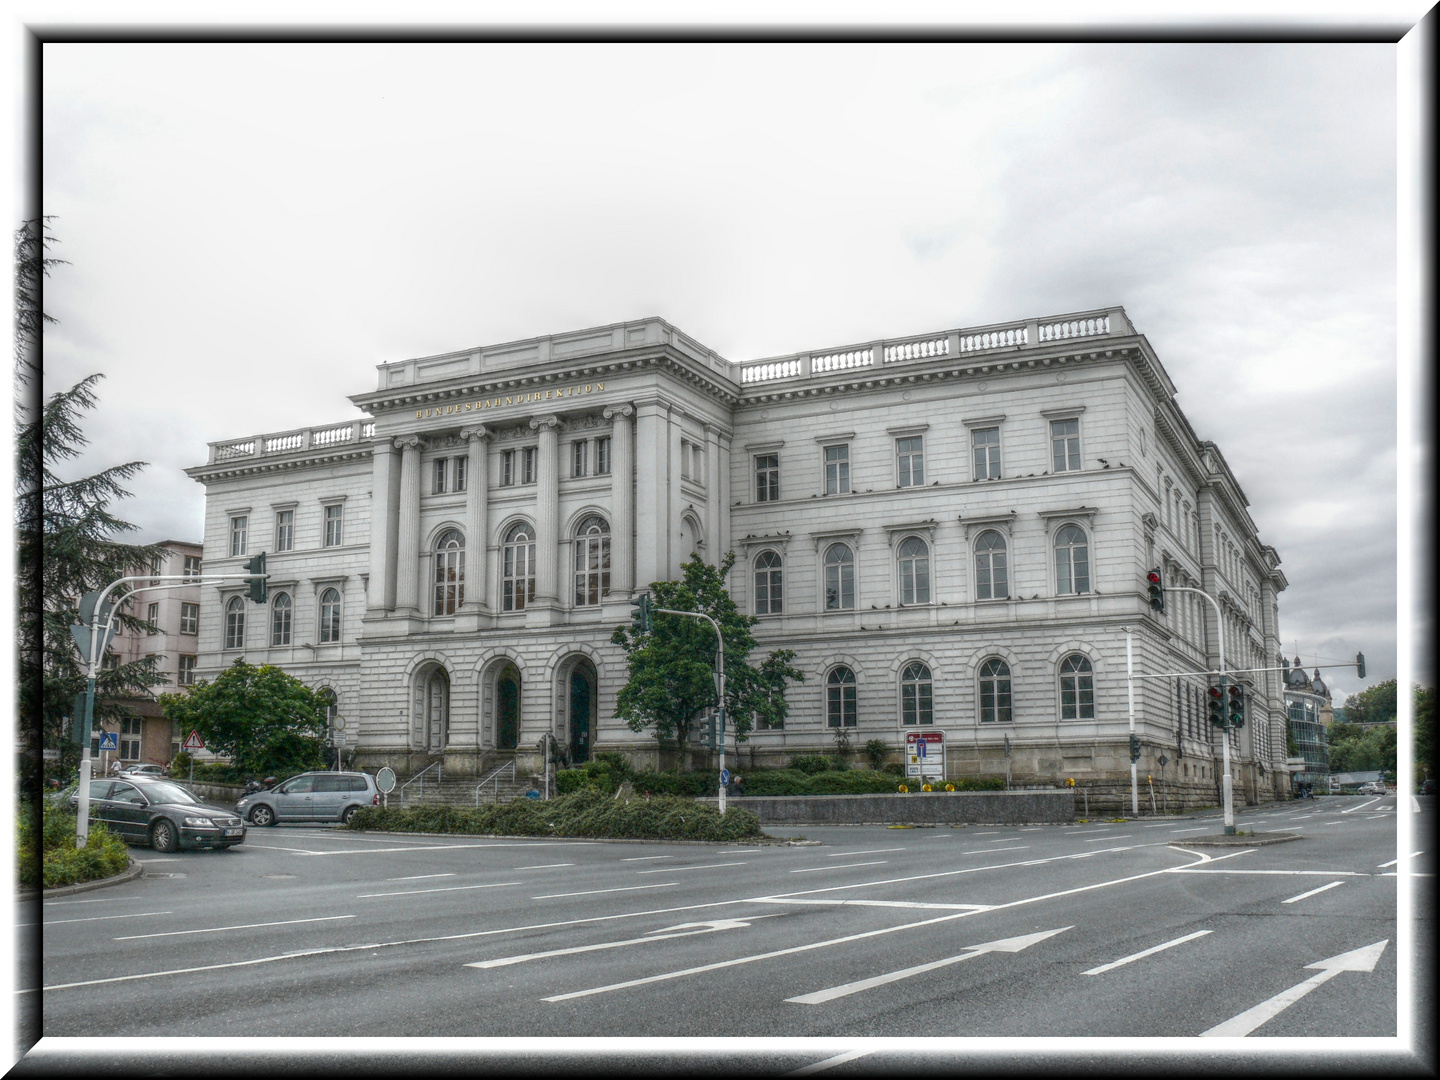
<point x="1215" y="692"/>
<point x="1153" y="577"/>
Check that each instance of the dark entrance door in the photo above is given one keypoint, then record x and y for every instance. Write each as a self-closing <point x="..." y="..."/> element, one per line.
<point x="507" y="712"/>
<point x="581" y="693"/>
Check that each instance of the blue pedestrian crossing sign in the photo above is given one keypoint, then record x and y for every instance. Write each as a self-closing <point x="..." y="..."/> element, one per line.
<point x="725" y="777"/>
<point x="109" y="740"/>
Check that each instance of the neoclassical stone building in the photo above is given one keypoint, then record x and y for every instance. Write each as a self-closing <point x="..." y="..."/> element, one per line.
<point x="951" y="530"/>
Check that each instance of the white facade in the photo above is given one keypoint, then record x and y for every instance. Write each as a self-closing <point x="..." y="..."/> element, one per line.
<point x="938" y="526"/>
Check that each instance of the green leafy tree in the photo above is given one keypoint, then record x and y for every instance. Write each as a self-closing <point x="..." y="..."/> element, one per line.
<point x="1376" y="704"/>
<point x="1422" y="737"/>
<point x="672" y="668"/>
<point x="1359" y="749"/>
<point x="263" y="719"/>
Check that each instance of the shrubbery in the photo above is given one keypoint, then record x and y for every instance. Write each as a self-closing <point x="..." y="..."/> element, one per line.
<point x="807" y="775"/>
<point x="589" y="812"/>
<point x="104" y="854"/>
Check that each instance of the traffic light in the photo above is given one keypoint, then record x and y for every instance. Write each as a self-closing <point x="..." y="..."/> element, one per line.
<point x="707" y="733"/>
<point x="1237" y="705"/>
<point x="1134" y="748"/>
<point x="1156" y="590"/>
<point x="1360" y="664"/>
<point x="1216" y="701"/>
<point x="256" y="569"/>
<point x="640" y="619"/>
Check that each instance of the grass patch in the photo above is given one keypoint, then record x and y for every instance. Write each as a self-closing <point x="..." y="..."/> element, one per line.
<point x="47" y="855"/>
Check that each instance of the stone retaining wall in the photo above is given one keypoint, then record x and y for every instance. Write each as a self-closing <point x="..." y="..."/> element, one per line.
<point x="915" y="808"/>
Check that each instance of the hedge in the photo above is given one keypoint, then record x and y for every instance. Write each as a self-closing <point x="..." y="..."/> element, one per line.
<point x="807" y="781"/>
<point x="104" y="854"/>
<point x="589" y="813"/>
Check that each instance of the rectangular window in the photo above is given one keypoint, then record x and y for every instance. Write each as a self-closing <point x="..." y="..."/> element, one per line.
<point x="239" y="527"/>
<point x="697" y="464"/>
<point x="507" y="468"/>
<point x="155" y="569"/>
<point x="462" y="472"/>
<point x="192" y="565"/>
<point x="130" y="739"/>
<point x="152" y="619"/>
<point x="334" y="525"/>
<point x="1065" y="445"/>
<point x="986" y="445"/>
<point x="602" y="456"/>
<point x="767" y="477"/>
<point x="189" y="618"/>
<point x="437" y="485"/>
<point x="837" y="469"/>
<point x="910" y="461"/>
<point x="527" y="465"/>
<point x="186" y="675"/>
<point x="284" y="530"/>
<point x="579" y="457"/>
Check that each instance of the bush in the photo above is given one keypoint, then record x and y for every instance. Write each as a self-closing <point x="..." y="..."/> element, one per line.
<point x="104" y="854"/>
<point x="895" y="768"/>
<point x="692" y="785"/>
<point x="876" y="750"/>
<point x="605" y="771"/>
<point x="586" y="813"/>
<point x="809" y="763"/>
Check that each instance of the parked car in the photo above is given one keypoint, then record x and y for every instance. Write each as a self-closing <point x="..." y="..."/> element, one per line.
<point x="1371" y="788"/>
<point x="311" y="796"/>
<point x="145" y="769"/>
<point x="55" y="795"/>
<point x="161" y="813"/>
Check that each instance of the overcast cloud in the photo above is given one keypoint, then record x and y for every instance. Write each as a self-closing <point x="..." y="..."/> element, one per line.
<point x="252" y="228"/>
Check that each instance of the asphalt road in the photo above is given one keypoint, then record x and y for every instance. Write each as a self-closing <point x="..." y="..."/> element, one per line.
<point x="1105" y="929"/>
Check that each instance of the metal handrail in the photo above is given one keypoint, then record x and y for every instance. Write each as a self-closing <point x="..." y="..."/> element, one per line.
<point x="494" y="776"/>
<point x="420" y="776"/>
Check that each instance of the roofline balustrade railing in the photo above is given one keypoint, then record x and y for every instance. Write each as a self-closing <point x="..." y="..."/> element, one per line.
<point x="291" y="442"/>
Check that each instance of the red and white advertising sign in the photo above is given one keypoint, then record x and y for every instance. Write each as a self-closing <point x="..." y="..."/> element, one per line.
<point x="925" y="754"/>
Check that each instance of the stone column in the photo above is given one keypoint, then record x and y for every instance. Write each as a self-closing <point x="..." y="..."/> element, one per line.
<point x="407" y="548"/>
<point x="477" y="507"/>
<point x="622" y="500"/>
<point x="676" y="505"/>
<point x="715" y="543"/>
<point x="381" y="593"/>
<point x="547" y="511"/>
<point x="652" y="493"/>
<point x="722" y="518"/>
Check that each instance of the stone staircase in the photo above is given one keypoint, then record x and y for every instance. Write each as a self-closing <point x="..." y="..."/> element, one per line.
<point x="459" y="791"/>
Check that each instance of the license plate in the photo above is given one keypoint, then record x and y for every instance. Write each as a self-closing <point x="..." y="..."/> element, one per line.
<point x="234" y="832"/>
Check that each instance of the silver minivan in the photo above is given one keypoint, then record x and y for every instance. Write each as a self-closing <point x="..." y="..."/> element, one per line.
<point x="312" y="796"/>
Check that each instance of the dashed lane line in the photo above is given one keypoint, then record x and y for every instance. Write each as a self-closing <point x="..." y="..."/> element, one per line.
<point x="679" y="869"/>
<point x="1312" y="892"/>
<point x="647" y="858"/>
<point x="1144" y="953"/>
<point x="545" y="866"/>
<point x="244" y="926"/>
<point x="839" y="866"/>
<point x="866" y="851"/>
<point x="596" y="892"/>
<point x="419" y="877"/>
<point x="1102" y="839"/>
<point x="443" y="888"/>
<point x="102" y="918"/>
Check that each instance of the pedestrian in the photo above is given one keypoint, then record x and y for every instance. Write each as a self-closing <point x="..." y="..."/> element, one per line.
<point x="739" y="784"/>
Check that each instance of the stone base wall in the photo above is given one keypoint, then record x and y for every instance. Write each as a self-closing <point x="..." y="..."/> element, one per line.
<point x="916" y="808"/>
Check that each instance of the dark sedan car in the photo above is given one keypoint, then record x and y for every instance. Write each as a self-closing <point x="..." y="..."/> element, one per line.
<point x="162" y="814"/>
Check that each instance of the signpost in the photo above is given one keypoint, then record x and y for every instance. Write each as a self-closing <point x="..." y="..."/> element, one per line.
<point x="925" y="754"/>
<point x="192" y="743"/>
<point x="385" y="781"/>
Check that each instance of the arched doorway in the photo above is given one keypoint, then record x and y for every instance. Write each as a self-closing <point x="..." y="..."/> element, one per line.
<point x="432" y="709"/>
<point x="507" y="708"/>
<point x="580" y="696"/>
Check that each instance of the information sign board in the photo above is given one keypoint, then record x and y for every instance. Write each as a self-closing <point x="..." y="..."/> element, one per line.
<point x="925" y="754"/>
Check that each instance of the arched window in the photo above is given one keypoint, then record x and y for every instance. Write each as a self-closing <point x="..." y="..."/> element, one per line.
<point x="916" y="698"/>
<point x="449" y="572"/>
<point x="330" y="616"/>
<point x="769" y="599"/>
<point x="281" y="609"/>
<point x="839" y="578"/>
<point x="992" y="580"/>
<point x="1077" y="689"/>
<point x="518" y="567"/>
<point x="592" y="561"/>
<point x="995" y="692"/>
<point x="914" y="558"/>
<point x="1072" y="560"/>
<point x="840" y="698"/>
<point x="235" y="623"/>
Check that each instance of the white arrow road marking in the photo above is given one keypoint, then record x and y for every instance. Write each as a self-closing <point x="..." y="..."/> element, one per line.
<point x="1312" y="892"/>
<point x="245" y="926"/>
<point x="1010" y="945"/>
<point x="689" y="929"/>
<point x="1362" y="959"/>
<point x="1147" y="952"/>
<point x="830" y="1062"/>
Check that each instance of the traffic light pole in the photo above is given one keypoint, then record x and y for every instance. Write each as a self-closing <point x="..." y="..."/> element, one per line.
<point x="1130" y="695"/>
<point x="1225" y="732"/>
<point x="719" y="685"/>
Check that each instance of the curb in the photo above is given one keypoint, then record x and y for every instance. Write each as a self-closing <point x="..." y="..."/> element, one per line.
<point x="130" y="873"/>
<point x="1221" y="840"/>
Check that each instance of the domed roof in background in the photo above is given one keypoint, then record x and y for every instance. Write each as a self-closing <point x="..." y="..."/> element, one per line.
<point x="1296" y="678"/>
<point x="1318" y="684"/>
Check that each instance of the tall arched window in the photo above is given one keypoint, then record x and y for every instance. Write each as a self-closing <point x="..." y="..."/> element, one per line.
<point x="914" y="558"/>
<point x="235" y="623"/>
<point x="281" y="608"/>
<point x="992" y="580"/>
<point x="1077" y="689"/>
<point x="330" y="616"/>
<point x="769" y="599"/>
<point x="449" y="572"/>
<point x="916" y="697"/>
<point x="839" y="578"/>
<point x="840" y="698"/>
<point x="1072" y="560"/>
<point x="995" y="692"/>
<point x="518" y="567"/>
<point x="592" y="560"/>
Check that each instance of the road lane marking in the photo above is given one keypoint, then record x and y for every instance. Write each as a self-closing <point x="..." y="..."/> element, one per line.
<point x="1144" y="953"/>
<point x="418" y="877"/>
<point x="1362" y="806"/>
<point x="1309" y="873"/>
<point x="884" y="904"/>
<point x="995" y="850"/>
<point x="1101" y="839"/>
<point x="1363" y="959"/>
<point x="840" y="866"/>
<point x="1010" y="945"/>
<point x="100" y="900"/>
<point x="830" y="1062"/>
<point x="1002" y="840"/>
<point x="1312" y="892"/>
<point x="545" y="866"/>
<point x="244" y="926"/>
<point x="1197" y="828"/>
<point x="101" y="918"/>
<point x="867" y="851"/>
<point x="683" y="930"/>
<point x="596" y="892"/>
<point x="443" y="888"/>
<point x="1392" y="862"/>
<point x="647" y="858"/>
<point x="678" y="869"/>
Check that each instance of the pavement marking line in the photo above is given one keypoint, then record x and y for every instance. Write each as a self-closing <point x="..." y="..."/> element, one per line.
<point x="1002" y="840"/>
<point x="596" y="892"/>
<point x="245" y="926"/>
<point x="102" y="918"/>
<point x="98" y="900"/>
<point x="840" y="866"/>
<point x="647" y="858"/>
<point x="682" y="930"/>
<point x="1303" y="873"/>
<point x="1197" y="828"/>
<point x="886" y="904"/>
<point x="418" y="877"/>
<point x="678" y="869"/>
<point x="1312" y="892"/>
<point x="1363" y="959"/>
<point x="443" y="888"/>
<point x="995" y="850"/>
<point x="830" y="1062"/>
<point x="867" y="851"/>
<point x="545" y="866"/>
<point x="1010" y="945"/>
<point x="1101" y="839"/>
<point x="1362" y="806"/>
<point x="1145" y="952"/>
<point x="1414" y="805"/>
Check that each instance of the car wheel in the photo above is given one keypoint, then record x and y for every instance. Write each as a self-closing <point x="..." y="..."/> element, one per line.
<point x="163" y="836"/>
<point x="262" y="815"/>
<point x="350" y="812"/>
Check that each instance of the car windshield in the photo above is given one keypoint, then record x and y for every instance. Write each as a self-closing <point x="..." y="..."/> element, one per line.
<point x="164" y="791"/>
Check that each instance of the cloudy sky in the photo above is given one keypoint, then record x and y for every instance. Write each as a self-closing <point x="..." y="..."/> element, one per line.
<point x="252" y="228"/>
